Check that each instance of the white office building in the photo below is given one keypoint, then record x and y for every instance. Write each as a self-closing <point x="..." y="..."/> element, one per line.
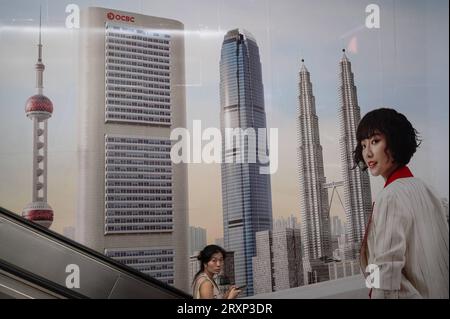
<point x="132" y="200"/>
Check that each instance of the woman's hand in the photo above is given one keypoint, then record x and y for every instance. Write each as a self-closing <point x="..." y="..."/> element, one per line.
<point x="232" y="292"/>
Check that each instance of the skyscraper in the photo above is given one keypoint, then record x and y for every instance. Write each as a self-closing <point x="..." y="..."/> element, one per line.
<point x="357" y="196"/>
<point x="246" y="194"/>
<point x="315" y="221"/>
<point x="39" y="109"/>
<point x="194" y="267"/>
<point x="197" y="239"/>
<point x="336" y="229"/>
<point x="133" y="203"/>
<point x="278" y="263"/>
<point x="264" y="280"/>
<point x="287" y="258"/>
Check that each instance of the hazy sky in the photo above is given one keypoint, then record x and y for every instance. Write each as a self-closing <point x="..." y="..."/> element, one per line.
<point x="403" y="64"/>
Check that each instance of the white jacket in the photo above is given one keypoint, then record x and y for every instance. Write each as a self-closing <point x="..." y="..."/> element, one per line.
<point x="408" y="240"/>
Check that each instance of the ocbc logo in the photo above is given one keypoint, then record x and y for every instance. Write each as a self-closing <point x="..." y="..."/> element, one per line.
<point x="112" y="16"/>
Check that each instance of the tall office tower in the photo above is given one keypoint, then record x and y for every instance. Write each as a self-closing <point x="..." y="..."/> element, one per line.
<point x="228" y="268"/>
<point x="197" y="239"/>
<point x="278" y="263"/>
<point x="357" y="196"/>
<point x="337" y="229"/>
<point x="246" y="194"/>
<point x="194" y="267"/>
<point x="263" y="278"/>
<point x="133" y="203"/>
<point x="226" y="277"/>
<point x="287" y="258"/>
<point x="39" y="109"/>
<point x="315" y="218"/>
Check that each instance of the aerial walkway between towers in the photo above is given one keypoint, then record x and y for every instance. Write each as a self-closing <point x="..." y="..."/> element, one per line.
<point x="38" y="263"/>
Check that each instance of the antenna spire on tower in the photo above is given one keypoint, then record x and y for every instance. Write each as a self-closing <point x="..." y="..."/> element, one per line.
<point x="40" y="67"/>
<point x="40" y="27"/>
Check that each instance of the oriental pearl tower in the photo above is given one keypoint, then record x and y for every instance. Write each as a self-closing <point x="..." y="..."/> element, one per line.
<point x="39" y="109"/>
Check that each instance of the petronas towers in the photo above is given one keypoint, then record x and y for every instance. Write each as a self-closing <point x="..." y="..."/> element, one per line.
<point x="315" y="210"/>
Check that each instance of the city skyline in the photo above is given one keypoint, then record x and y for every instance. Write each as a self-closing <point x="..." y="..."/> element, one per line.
<point x="409" y="74"/>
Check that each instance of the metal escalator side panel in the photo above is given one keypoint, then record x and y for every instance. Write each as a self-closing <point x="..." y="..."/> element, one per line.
<point x="48" y="255"/>
<point x="38" y="255"/>
<point x="16" y="283"/>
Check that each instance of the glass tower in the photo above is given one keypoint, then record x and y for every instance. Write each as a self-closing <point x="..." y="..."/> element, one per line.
<point x="246" y="195"/>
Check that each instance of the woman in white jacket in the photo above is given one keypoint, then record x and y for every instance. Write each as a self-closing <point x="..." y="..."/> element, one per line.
<point x="406" y="239"/>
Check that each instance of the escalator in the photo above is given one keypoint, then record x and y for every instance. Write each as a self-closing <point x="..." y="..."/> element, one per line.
<point x="38" y="263"/>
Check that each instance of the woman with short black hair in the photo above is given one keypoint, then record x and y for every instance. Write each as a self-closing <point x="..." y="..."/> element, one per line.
<point x="204" y="286"/>
<point x="406" y="240"/>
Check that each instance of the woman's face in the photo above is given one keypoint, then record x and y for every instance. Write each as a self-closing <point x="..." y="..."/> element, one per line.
<point x="377" y="157"/>
<point x="215" y="264"/>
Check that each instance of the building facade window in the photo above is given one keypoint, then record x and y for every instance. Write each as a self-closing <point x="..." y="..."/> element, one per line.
<point x="155" y="262"/>
<point x="137" y="76"/>
<point x="138" y="185"/>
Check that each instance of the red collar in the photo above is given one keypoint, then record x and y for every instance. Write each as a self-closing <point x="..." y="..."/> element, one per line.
<point x="401" y="172"/>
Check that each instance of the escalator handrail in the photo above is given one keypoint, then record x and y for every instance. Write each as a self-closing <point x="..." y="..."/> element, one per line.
<point x="93" y="254"/>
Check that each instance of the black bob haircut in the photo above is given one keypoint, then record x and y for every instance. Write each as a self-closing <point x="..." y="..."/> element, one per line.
<point x="401" y="137"/>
